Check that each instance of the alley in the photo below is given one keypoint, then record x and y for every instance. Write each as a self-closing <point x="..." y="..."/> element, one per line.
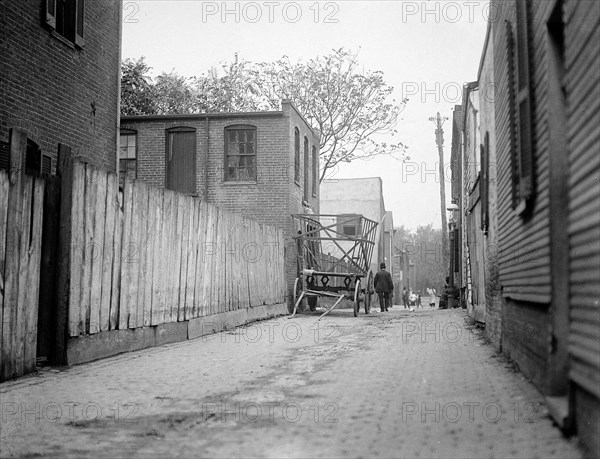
<point x="395" y="384"/>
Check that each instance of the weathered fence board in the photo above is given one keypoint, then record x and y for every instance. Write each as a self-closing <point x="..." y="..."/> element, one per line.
<point x="142" y="252"/>
<point x="149" y="239"/>
<point x="4" y="187"/>
<point x="116" y="261"/>
<point x="88" y="211"/>
<point x="188" y="259"/>
<point x="200" y="260"/>
<point x="21" y="223"/>
<point x="125" y="268"/>
<point x="34" y="256"/>
<point x="111" y="205"/>
<point x="22" y="274"/>
<point x="156" y="250"/>
<point x="97" y="248"/>
<point x="154" y="256"/>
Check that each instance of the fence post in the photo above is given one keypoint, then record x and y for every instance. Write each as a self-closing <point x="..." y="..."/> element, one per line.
<point x="46" y="333"/>
<point x="14" y="233"/>
<point x="65" y="171"/>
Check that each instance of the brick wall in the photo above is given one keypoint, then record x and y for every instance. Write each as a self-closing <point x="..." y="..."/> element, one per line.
<point x="275" y="194"/>
<point x="525" y="338"/>
<point x="295" y="193"/>
<point x="59" y="93"/>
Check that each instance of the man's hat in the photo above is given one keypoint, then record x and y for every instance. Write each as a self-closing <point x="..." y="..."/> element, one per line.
<point x="382" y="265"/>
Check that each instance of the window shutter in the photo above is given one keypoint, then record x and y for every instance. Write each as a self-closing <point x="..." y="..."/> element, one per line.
<point x="46" y="164"/>
<point x="51" y="13"/>
<point x="79" y="20"/>
<point x="524" y="131"/>
<point x="4" y="156"/>
<point x="514" y="161"/>
<point x="485" y="182"/>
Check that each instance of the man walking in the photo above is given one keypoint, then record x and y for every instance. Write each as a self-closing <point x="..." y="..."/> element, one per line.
<point x="384" y="286"/>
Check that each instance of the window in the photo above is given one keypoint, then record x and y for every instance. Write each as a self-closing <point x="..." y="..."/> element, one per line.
<point x="240" y="153"/>
<point x="349" y="225"/>
<point x="306" y="169"/>
<point x="65" y="17"/>
<point x="315" y="174"/>
<point x="35" y="161"/>
<point x="181" y="160"/>
<point x="33" y="157"/>
<point x="484" y="182"/>
<point x="128" y="154"/>
<point x="297" y="156"/>
<point x="521" y="108"/>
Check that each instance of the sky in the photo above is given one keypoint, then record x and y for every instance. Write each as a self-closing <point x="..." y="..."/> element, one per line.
<point x="426" y="49"/>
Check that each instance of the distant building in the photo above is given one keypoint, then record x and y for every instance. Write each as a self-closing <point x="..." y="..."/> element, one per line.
<point x="60" y="79"/>
<point x="264" y="165"/>
<point x="360" y="196"/>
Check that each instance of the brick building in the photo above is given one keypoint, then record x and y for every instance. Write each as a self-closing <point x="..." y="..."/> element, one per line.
<point x="60" y="77"/>
<point x="539" y="112"/>
<point x="264" y="165"/>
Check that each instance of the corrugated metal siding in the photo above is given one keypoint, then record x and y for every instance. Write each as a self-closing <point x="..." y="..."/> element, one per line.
<point x="524" y="241"/>
<point x="582" y="49"/>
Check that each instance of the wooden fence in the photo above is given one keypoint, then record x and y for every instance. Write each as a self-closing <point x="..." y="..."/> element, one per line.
<point x="79" y="256"/>
<point x="151" y="256"/>
<point x="21" y="205"/>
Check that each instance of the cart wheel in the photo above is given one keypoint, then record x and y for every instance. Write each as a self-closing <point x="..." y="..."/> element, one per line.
<point x="368" y="291"/>
<point x="357" y="297"/>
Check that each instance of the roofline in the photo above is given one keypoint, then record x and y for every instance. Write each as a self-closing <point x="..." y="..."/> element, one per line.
<point x="468" y="88"/>
<point x="201" y="116"/>
<point x="485" y="45"/>
<point x="355" y="178"/>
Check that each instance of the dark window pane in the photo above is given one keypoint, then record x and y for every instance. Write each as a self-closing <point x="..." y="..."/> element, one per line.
<point x="349" y="230"/>
<point x="240" y="160"/>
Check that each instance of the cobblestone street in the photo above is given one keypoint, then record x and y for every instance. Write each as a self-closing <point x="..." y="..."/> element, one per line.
<point x="395" y="384"/>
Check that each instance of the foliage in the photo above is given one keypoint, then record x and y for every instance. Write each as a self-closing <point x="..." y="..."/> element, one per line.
<point x="234" y="91"/>
<point x="350" y="108"/>
<point x="174" y="94"/>
<point x="424" y="248"/>
<point x="137" y="91"/>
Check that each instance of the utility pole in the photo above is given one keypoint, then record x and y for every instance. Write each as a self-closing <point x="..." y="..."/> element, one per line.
<point x="439" y="140"/>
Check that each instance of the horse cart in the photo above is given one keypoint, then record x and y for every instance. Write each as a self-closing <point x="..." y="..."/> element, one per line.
<point x="334" y="259"/>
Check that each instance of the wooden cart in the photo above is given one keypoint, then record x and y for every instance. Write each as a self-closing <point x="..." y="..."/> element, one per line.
<point x="334" y="259"/>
